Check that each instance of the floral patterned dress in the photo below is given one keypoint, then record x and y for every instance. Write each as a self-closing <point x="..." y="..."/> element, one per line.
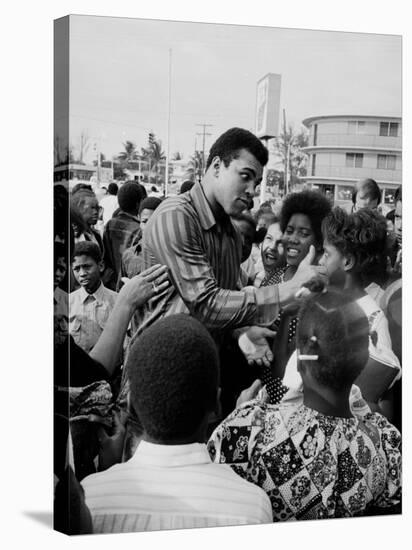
<point x="312" y="466"/>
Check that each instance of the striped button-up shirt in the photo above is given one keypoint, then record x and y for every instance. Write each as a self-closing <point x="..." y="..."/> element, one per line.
<point x="203" y="254"/>
<point x="172" y="487"/>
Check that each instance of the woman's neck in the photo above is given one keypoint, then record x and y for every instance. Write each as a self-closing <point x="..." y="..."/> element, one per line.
<point x="354" y="286"/>
<point x="328" y="402"/>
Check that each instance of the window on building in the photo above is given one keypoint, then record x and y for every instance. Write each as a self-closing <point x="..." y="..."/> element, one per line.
<point x="356" y="126"/>
<point x="315" y="134"/>
<point x="387" y="162"/>
<point x="313" y="164"/>
<point x="389" y="129"/>
<point x="354" y="160"/>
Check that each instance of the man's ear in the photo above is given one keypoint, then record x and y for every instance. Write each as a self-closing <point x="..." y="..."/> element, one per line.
<point x="215" y="164"/>
<point x="101" y="266"/>
<point x="349" y="262"/>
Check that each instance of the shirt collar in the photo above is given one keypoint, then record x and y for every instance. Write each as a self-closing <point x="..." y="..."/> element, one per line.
<point x="98" y="294"/>
<point x="169" y="456"/>
<point x="206" y="216"/>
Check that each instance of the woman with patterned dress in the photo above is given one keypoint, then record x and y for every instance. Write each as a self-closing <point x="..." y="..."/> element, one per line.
<point x="318" y="458"/>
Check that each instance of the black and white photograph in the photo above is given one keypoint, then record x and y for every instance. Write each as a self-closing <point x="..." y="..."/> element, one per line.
<point x="218" y="191"/>
<point x="227" y="275"/>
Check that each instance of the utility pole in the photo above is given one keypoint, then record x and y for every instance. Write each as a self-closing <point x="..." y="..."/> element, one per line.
<point x="168" y="125"/>
<point x="286" y="154"/>
<point x="204" y="134"/>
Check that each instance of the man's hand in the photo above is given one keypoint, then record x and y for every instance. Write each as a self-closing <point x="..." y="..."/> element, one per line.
<point x="397" y="268"/>
<point x="308" y="276"/>
<point x="255" y="347"/>
<point x="111" y="446"/>
<point x="251" y="393"/>
<point x="141" y="288"/>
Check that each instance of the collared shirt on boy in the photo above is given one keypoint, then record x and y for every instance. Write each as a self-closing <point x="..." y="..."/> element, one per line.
<point x="88" y="314"/>
<point x="172" y="487"/>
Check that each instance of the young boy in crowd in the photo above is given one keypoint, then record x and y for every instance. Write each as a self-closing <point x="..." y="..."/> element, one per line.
<point x="91" y="304"/>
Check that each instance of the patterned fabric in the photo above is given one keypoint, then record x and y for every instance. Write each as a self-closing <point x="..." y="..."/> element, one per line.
<point x="312" y="466"/>
<point x="88" y="315"/>
<point x="203" y="255"/>
<point x="274" y="386"/>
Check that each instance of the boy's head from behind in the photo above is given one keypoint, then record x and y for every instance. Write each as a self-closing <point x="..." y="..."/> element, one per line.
<point x="87" y="265"/>
<point x="354" y="244"/>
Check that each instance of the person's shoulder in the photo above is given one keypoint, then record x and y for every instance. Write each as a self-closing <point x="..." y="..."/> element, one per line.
<point x="109" y="293"/>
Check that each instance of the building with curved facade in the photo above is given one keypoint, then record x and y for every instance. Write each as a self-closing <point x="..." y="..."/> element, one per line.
<point x="346" y="148"/>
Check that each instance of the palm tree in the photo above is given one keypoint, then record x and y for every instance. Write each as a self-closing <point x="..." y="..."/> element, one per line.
<point x="194" y="168"/>
<point x="154" y="155"/>
<point x="290" y="145"/>
<point x="129" y="154"/>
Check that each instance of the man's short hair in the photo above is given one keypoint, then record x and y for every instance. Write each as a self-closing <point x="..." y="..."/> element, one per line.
<point x="370" y="188"/>
<point x="186" y="186"/>
<point x="113" y="189"/>
<point x="129" y="197"/>
<point x="398" y="195"/>
<point x="87" y="248"/>
<point x="173" y="368"/>
<point x="229" y="144"/>
<point x="149" y="203"/>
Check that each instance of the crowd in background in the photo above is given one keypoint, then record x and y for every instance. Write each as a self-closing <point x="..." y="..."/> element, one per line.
<point x="220" y="365"/>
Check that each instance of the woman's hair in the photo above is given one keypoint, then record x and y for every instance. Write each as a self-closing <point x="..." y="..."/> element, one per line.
<point x="335" y="328"/>
<point x="311" y="203"/>
<point x="363" y="235"/>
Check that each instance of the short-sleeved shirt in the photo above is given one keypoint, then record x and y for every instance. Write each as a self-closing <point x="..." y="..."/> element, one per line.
<point x="88" y="314"/>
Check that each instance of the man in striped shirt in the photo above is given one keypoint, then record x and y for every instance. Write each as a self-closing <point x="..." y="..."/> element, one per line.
<point x="193" y="235"/>
<point x="170" y="481"/>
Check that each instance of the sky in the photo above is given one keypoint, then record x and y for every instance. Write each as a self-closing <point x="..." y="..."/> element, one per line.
<point x="119" y="78"/>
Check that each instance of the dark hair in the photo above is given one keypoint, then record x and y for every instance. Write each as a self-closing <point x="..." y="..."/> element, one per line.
<point x="228" y="145"/>
<point x="80" y="193"/>
<point x="173" y="369"/>
<point x="245" y="217"/>
<point x="87" y="248"/>
<point x="186" y="186"/>
<point x="390" y="216"/>
<point x="151" y="203"/>
<point x="60" y="251"/>
<point x="398" y="195"/>
<point x="363" y="235"/>
<point x="311" y="203"/>
<point x="82" y="187"/>
<point x="129" y="197"/>
<point x="334" y="327"/>
<point x="371" y="189"/>
<point x="113" y="189"/>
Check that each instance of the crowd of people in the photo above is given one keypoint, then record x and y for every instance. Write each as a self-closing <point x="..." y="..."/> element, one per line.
<point x="216" y="365"/>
